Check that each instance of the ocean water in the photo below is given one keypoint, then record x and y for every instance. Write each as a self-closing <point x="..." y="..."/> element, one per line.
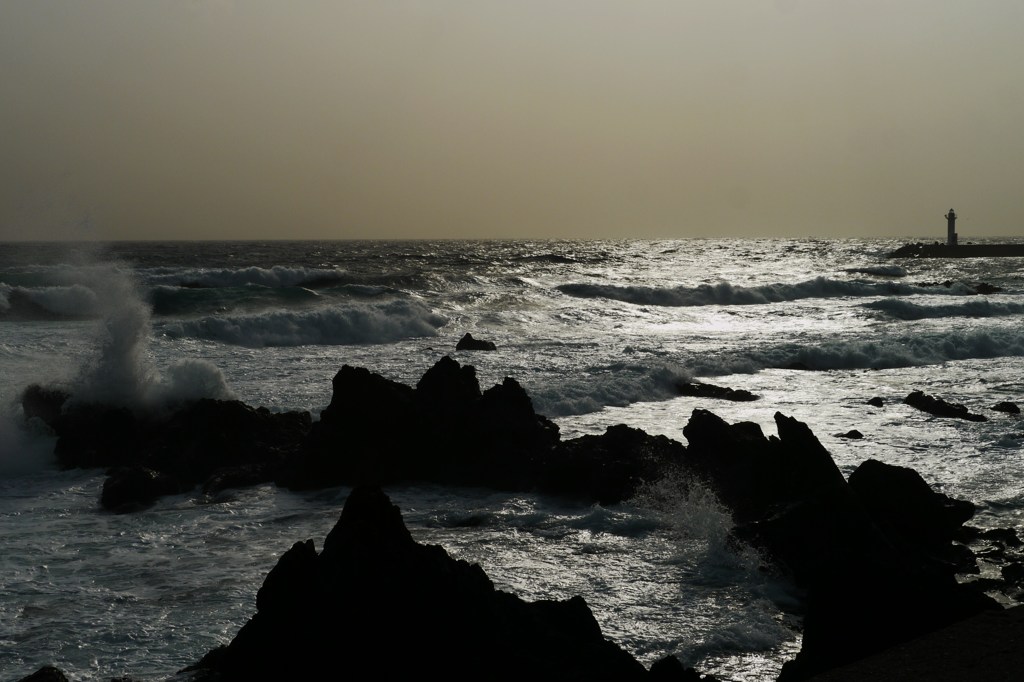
<point x="598" y="332"/>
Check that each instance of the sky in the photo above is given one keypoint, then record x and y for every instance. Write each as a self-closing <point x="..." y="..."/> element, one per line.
<point x="264" y="119"/>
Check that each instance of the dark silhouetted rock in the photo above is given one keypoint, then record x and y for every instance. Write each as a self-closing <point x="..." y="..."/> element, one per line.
<point x="376" y="431"/>
<point x="135" y="487"/>
<point x="942" y="250"/>
<point x="611" y="467"/>
<point x="876" y="402"/>
<point x="46" y="674"/>
<point x="467" y="342"/>
<point x="908" y="510"/>
<point x="701" y="390"/>
<point x="1007" y="407"/>
<point x="377" y="603"/>
<point x="866" y="588"/>
<point x="852" y="434"/>
<point x="162" y="452"/>
<point x="941" y="408"/>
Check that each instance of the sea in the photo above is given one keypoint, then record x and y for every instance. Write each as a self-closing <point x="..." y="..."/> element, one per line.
<point x="599" y="333"/>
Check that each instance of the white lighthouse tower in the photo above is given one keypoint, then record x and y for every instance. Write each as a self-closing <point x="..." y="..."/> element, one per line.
<point x="951" y="228"/>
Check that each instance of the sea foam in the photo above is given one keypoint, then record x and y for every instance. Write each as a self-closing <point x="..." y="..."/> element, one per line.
<point x="981" y="307"/>
<point x="122" y="372"/>
<point x="352" y="324"/>
<point x="725" y="293"/>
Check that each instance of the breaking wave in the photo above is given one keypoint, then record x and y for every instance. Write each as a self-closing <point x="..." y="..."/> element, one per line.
<point x="615" y="385"/>
<point x="725" y="293"/>
<point x="353" y="324"/>
<point x="623" y="384"/>
<point x="982" y="307"/>
<point x="276" y="276"/>
<point x="122" y="373"/>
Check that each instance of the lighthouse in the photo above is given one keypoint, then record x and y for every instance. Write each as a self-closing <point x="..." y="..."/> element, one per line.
<point x="951" y="228"/>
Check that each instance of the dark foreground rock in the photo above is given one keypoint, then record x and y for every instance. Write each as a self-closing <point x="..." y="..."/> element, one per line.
<point x="376" y="603"/>
<point x="875" y="555"/>
<point x="941" y="408"/>
<point x="867" y="586"/>
<point x="989" y="647"/>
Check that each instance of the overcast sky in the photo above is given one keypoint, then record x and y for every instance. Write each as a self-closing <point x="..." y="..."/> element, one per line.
<point x="257" y="119"/>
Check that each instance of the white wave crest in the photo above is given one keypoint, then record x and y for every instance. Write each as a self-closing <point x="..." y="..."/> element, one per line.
<point x="614" y="386"/>
<point x="276" y="276"/>
<point x="725" y="293"/>
<point x="979" y="307"/>
<point x="355" y="324"/>
<point x="883" y="353"/>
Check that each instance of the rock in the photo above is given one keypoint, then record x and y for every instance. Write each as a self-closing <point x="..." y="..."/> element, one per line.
<point x="941" y="408"/>
<point x="373" y="592"/>
<point x="984" y="647"/>
<point x="136" y="487"/>
<point x="376" y="431"/>
<point x="908" y="510"/>
<point x="754" y="475"/>
<point x="701" y="390"/>
<point x="167" y="452"/>
<point x="876" y="402"/>
<point x="43" y="403"/>
<point x="47" y="673"/>
<point x="1007" y="407"/>
<point x="866" y="588"/>
<point x="467" y="342"/>
<point x="611" y="467"/>
<point x="852" y="434"/>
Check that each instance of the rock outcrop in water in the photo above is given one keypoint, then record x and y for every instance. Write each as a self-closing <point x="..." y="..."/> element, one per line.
<point x="378" y="604"/>
<point x="875" y="554"/>
<point x="467" y="342"/>
<point x="941" y="408"/>
<point x="877" y="571"/>
<point x="213" y="443"/>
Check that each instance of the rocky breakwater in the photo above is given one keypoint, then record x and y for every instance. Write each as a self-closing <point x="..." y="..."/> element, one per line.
<point x="940" y="250"/>
<point x="377" y="604"/>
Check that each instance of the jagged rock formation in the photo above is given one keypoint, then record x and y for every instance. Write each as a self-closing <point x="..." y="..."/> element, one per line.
<point x="376" y="603"/>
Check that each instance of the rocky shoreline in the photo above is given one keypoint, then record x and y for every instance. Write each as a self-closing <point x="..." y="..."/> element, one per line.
<point x="881" y="557"/>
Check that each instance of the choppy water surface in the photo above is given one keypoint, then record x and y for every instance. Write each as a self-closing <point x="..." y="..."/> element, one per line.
<point x="598" y="332"/>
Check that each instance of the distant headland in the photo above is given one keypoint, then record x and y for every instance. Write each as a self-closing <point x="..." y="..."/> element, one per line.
<point x="952" y="249"/>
